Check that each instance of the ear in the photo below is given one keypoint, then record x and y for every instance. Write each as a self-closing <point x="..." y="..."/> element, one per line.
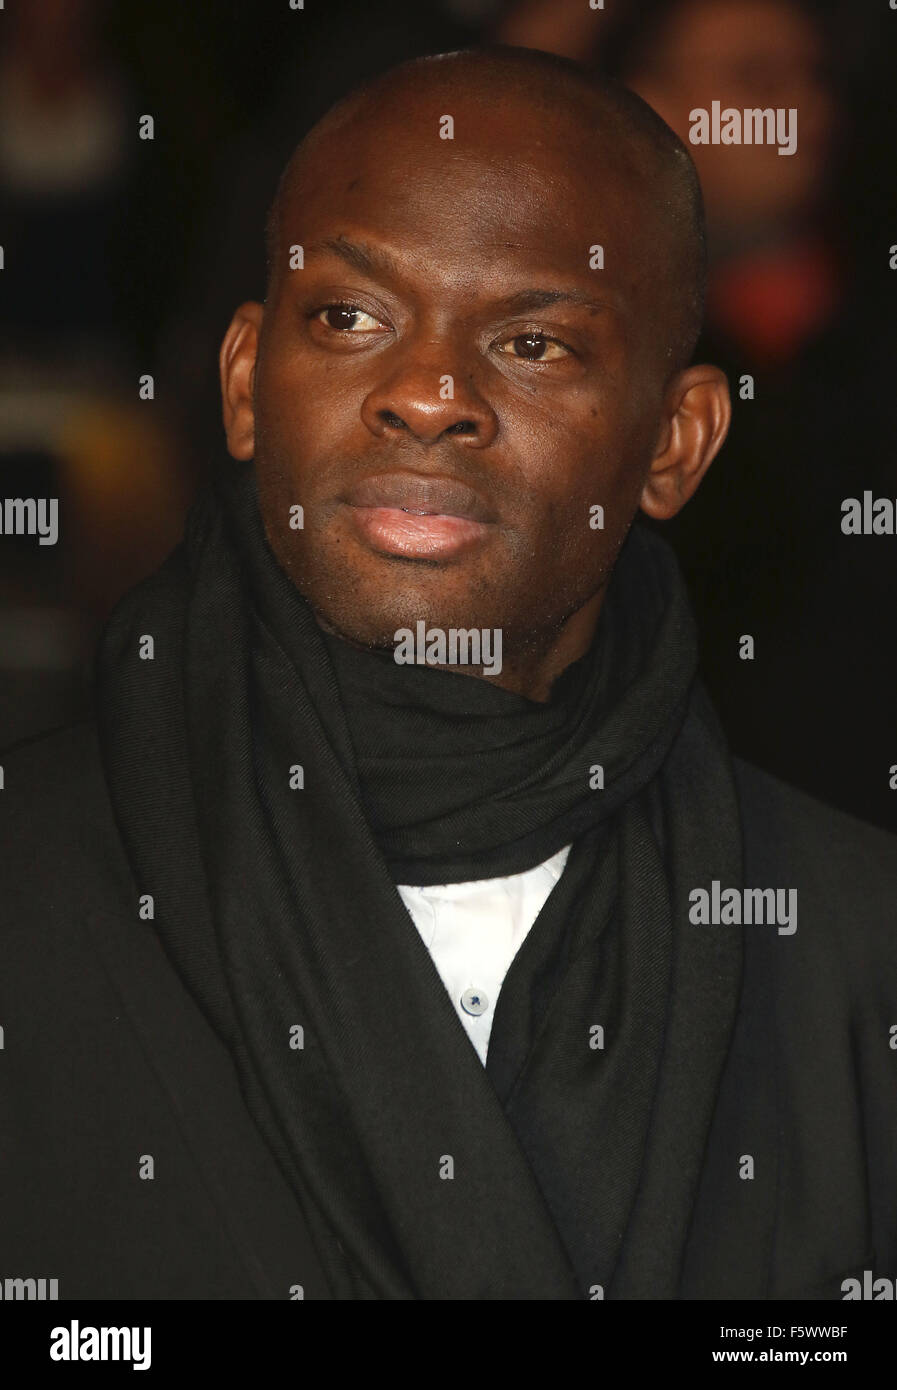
<point x="696" y="415"/>
<point x="236" y="364"/>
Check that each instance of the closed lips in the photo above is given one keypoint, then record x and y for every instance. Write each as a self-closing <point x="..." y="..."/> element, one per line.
<point x="420" y="495"/>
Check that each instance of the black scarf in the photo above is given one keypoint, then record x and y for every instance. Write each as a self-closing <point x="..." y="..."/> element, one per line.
<point x="564" y="1164"/>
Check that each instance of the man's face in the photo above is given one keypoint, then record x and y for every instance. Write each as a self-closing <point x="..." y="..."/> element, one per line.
<point x="451" y="382"/>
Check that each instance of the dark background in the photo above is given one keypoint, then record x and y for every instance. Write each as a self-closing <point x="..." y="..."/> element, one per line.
<point x="124" y="257"/>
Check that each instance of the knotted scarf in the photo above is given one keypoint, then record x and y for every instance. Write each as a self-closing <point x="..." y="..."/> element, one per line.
<point x="567" y="1167"/>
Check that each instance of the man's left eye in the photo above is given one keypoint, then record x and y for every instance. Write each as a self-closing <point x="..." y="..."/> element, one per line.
<point x="345" y="318"/>
<point x="534" y="347"/>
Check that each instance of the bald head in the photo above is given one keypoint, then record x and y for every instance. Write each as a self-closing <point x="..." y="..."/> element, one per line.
<point x="611" y="129"/>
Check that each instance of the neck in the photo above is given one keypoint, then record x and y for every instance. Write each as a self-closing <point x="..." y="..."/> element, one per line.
<point x="533" y="665"/>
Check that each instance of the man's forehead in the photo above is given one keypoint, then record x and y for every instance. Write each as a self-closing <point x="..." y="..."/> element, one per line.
<point x="501" y="194"/>
<point x="498" y="149"/>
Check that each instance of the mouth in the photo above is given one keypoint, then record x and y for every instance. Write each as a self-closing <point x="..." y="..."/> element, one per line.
<point x="418" y="517"/>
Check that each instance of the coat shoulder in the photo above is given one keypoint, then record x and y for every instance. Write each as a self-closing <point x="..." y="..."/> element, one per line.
<point x="781" y="818"/>
<point x="844" y="869"/>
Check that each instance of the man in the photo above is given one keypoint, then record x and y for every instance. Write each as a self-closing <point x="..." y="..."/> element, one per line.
<point x="257" y="922"/>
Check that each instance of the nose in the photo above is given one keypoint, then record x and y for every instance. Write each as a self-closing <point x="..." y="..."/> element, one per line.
<point x="428" y="393"/>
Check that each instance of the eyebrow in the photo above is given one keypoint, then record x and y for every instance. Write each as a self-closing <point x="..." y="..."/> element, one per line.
<point x="357" y="254"/>
<point x="525" y="300"/>
<point x="371" y="261"/>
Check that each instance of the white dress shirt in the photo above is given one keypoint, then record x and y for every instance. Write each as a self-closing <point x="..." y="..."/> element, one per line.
<point x="474" y="930"/>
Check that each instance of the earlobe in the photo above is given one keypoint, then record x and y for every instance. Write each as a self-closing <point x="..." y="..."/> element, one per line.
<point x="698" y="411"/>
<point x="237" y="362"/>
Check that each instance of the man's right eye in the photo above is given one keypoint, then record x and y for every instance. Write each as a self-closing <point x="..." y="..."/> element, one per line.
<point x="346" y="318"/>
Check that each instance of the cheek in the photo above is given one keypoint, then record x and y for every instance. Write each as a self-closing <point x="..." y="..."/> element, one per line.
<point x="572" y="533"/>
<point x="295" y="383"/>
<point x="300" y="415"/>
<point x="577" y="461"/>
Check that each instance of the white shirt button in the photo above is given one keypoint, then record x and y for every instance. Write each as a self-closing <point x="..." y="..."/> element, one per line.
<point x="474" y="930"/>
<point x="474" y="1001"/>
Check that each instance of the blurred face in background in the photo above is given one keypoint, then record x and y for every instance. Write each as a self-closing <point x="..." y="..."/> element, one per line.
<point x="54" y="41"/>
<point x="744" y="54"/>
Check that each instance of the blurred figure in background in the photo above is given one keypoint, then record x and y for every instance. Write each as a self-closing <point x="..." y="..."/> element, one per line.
<point x="67" y="172"/>
<point x="797" y="316"/>
<point x="82" y="200"/>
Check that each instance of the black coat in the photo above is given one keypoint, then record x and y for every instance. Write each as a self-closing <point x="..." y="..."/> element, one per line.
<point x="107" y="1061"/>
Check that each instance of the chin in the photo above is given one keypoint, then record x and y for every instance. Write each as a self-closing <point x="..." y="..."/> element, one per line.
<point x="371" y="616"/>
